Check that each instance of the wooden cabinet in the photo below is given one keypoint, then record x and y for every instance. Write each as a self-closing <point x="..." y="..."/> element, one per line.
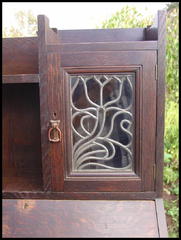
<point x="83" y="114"/>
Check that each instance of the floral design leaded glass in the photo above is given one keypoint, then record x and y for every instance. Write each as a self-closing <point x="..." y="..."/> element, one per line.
<point x="102" y="116"/>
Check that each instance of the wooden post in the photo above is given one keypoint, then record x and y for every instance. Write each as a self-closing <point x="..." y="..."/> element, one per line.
<point x="50" y="108"/>
<point x="160" y="102"/>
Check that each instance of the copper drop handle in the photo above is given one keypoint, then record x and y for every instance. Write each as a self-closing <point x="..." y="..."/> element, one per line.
<point x="54" y="133"/>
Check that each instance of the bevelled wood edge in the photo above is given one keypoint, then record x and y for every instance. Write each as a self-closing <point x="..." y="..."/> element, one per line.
<point x="72" y="176"/>
<point x="161" y="218"/>
<point x="43" y="24"/>
<point x="99" y="35"/>
<point x="50" y="101"/>
<point x="102" y="46"/>
<point x="48" y="35"/>
<point x="80" y="195"/>
<point x="160" y="108"/>
<point x="21" y="78"/>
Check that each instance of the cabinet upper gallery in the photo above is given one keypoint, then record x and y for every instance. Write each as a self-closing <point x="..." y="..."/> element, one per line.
<point x="83" y="113"/>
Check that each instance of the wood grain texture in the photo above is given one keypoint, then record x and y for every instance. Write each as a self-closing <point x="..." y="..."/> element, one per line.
<point x="160" y="101"/>
<point x="148" y="123"/>
<point x="21" y="78"/>
<point x="44" y="110"/>
<point x="51" y="105"/>
<point x="161" y="218"/>
<point x="79" y="195"/>
<point x="108" y="181"/>
<point x="103" y="58"/>
<point x="21" y="138"/>
<point x="20" y="55"/>
<point x="101" y="35"/>
<point x="103" y="185"/>
<point x="103" y="46"/>
<point x="56" y="106"/>
<point x="46" y="218"/>
<point x="145" y="116"/>
<point x="51" y="54"/>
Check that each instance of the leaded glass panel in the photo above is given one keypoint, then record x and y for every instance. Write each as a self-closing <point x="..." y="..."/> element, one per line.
<point x="102" y="117"/>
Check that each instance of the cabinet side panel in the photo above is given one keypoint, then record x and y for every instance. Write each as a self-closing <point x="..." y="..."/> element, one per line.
<point x="160" y="101"/>
<point x="149" y="121"/>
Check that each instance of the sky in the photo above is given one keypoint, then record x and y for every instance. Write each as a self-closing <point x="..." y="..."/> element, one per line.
<point x="75" y="15"/>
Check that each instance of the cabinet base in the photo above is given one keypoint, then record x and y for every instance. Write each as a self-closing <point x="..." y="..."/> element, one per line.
<point x="83" y="218"/>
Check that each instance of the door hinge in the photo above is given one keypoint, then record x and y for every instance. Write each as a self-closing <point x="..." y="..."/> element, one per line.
<point x="156" y="72"/>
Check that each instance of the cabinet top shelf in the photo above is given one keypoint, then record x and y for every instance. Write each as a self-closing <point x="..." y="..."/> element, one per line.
<point x="21" y="55"/>
<point x="21" y="78"/>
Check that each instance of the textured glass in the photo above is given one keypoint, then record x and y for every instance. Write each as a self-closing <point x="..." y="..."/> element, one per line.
<point x="102" y="121"/>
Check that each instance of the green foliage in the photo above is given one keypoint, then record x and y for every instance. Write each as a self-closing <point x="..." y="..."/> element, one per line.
<point x="167" y="157"/>
<point x="171" y="128"/>
<point x="26" y="25"/>
<point x="172" y="51"/>
<point x="129" y="17"/>
<point x="171" y="174"/>
<point x="172" y="210"/>
<point x="172" y="5"/>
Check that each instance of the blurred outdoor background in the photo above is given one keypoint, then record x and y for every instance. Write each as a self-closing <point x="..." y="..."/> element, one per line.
<point x="20" y="20"/>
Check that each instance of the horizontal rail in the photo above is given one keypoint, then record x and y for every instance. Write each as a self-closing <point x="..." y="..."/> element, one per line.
<point x="103" y="46"/>
<point x="21" y="78"/>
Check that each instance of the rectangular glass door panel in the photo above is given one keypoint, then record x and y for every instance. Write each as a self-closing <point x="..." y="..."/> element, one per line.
<point x="102" y="121"/>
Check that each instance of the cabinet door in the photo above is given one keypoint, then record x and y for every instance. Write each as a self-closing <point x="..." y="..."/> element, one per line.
<point x="110" y="121"/>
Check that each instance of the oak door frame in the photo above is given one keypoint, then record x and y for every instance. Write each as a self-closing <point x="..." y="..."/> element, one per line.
<point x="78" y="182"/>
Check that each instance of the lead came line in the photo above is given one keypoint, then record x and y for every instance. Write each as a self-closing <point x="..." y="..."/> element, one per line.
<point x="94" y="145"/>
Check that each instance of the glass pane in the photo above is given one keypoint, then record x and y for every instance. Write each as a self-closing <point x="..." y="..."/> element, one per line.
<point x="102" y="121"/>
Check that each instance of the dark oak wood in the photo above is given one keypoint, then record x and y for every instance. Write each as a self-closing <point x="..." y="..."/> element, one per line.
<point x="47" y="61"/>
<point x="151" y="33"/>
<point x="51" y="106"/>
<point x="100" y="59"/>
<point x="54" y="200"/>
<point x="148" y="124"/>
<point x="21" y="138"/>
<point x="161" y="218"/>
<point x="160" y="102"/>
<point x="79" y="195"/>
<point x="46" y="218"/>
<point x="13" y="181"/>
<point x="20" y="55"/>
<point x="103" y="46"/>
<point x="102" y="185"/>
<point x="93" y="181"/>
<point x="158" y="32"/>
<point x="21" y="78"/>
<point x="101" y="35"/>
<point x="146" y="91"/>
